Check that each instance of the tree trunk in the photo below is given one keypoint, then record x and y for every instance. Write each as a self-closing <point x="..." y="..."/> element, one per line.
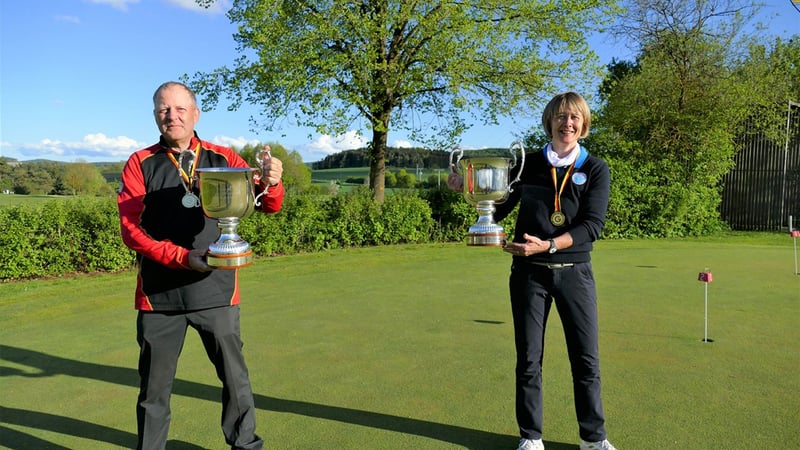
<point x="377" y="164"/>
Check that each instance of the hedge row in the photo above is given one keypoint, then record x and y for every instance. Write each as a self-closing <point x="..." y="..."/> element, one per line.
<point x="60" y="237"/>
<point x="77" y="235"/>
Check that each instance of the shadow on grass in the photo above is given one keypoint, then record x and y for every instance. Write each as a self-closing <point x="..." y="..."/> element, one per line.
<point x="45" y="365"/>
<point x="15" y="439"/>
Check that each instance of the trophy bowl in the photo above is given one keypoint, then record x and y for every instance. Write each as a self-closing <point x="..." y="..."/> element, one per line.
<point x="486" y="183"/>
<point x="227" y="194"/>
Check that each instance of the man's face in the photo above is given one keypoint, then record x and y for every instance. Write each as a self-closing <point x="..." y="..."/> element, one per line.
<point x="176" y="116"/>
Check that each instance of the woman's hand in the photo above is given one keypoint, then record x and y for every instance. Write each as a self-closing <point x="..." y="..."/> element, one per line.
<point x="531" y="246"/>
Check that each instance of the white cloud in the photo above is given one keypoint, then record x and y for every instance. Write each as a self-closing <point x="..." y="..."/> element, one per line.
<point x="402" y="144"/>
<point x="99" y="143"/>
<point x="237" y="142"/>
<point x="93" y="147"/>
<point x="328" y="144"/>
<point x="121" y="5"/>
<point x="325" y="145"/>
<point x="215" y="7"/>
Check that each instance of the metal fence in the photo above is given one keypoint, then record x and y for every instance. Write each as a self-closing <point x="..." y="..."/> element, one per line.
<point x="763" y="189"/>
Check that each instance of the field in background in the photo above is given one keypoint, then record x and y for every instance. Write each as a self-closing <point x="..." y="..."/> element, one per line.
<point x="321" y="178"/>
<point x="411" y="347"/>
<point x="324" y="177"/>
<point x="15" y="199"/>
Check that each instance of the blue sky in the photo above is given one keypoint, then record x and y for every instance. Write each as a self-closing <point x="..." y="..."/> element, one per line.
<point x="77" y="78"/>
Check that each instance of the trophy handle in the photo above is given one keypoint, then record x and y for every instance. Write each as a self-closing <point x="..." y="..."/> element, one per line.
<point x="460" y="152"/>
<point x="261" y="169"/>
<point x="515" y="145"/>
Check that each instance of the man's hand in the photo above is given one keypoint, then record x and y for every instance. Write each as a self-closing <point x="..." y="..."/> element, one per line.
<point x="197" y="261"/>
<point x="271" y="169"/>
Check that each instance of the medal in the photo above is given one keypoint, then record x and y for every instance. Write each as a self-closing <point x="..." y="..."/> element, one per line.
<point x="190" y="200"/>
<point x="558" y="218"/>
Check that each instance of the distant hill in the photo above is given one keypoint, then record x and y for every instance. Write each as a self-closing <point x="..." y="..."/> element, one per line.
<point x="395" y="157"/>
<point x="14" y="161"/>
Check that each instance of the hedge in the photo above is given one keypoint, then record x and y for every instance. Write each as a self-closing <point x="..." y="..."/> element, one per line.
<point x="81" y="235"/>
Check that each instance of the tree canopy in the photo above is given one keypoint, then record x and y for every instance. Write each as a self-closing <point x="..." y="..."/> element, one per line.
<point x="672" y="120"/>
<point x="430" y="67"/>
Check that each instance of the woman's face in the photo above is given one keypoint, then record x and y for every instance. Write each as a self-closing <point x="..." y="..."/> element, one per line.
<point x="567" y="127"/>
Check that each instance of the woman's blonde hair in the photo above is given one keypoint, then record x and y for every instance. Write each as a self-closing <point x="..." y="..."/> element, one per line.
<point x="566" y="102"/>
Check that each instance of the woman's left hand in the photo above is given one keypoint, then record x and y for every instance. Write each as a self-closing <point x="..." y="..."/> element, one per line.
<point x="531" y="246"/>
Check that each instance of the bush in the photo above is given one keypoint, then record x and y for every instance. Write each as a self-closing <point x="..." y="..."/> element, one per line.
<point x="406" y="218"/>
<point x="451" y="214"/>
<point x="82" y="235"/>
<point x="60" y="237"/>
<point x="310" y="223"/>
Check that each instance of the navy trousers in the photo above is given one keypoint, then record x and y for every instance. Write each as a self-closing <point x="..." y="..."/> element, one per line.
<point x="161" y="336"/>
<point x="533" y="290"/>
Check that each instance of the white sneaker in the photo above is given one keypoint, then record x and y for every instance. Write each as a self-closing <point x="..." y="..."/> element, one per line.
<point x="601" y="445"/>
<point x="530" y="444"/>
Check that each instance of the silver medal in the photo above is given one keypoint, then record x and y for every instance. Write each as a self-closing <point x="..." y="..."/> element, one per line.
<point x="190" y="200"/>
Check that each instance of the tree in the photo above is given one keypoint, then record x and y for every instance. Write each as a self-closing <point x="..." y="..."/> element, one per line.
<point x="38" y="177"/>
<point x="405" y="179"/>
<point x="6" y="176"/>
<point x="773" y="70"/>
<point x="82" y="178"/>
<point x="395" y="63"/>
<point x="391" y="179"/>
<point x="674" y="115"/>
<point x="295" y="174"/>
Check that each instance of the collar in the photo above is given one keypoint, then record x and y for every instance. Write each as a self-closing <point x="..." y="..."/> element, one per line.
<point x="192" y="144"/>
<point x="577" y="156"/>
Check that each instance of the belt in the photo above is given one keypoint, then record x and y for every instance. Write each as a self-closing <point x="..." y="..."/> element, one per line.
<point x="552" y="265"/>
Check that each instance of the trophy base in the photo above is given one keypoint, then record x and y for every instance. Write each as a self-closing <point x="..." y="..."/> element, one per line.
<point x="493" y="239"/>
<point x="486" y="232"/>
<point x="225" y="261"/>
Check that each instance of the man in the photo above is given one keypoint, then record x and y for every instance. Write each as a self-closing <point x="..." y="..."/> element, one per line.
<point x="162" y="221"/>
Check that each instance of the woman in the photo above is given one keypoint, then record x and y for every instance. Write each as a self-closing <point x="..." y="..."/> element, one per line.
<point x="562" y="196"/>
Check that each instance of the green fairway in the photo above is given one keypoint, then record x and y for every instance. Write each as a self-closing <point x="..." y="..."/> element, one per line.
<point x="411" y="347"/>
<point x="7" y="200"/>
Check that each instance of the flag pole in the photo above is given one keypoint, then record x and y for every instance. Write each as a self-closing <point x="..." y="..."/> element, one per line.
<point x="706" y="277"/>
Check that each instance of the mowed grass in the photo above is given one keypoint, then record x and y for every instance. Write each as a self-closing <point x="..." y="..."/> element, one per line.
<point x="10" y="200"/>
<point x="411" y="347"/>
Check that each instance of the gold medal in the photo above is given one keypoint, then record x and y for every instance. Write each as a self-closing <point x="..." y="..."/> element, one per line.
<point x="558" y="218"/>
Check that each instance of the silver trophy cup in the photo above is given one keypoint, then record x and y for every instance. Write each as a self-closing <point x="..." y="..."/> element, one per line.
<point x="486" y="183"/>
<point x="228" y="194"/>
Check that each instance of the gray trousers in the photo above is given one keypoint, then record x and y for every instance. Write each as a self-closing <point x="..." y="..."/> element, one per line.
<point x="533" y="290"/>
<point x="161" y="336"/>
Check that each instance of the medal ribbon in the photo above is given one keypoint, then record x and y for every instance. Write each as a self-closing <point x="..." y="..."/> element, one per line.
<point x="557" y="200"/>
<point x="187" y="178"/>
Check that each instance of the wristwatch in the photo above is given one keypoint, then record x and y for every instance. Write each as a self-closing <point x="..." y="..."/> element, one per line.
<point x="553" y="247"/>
